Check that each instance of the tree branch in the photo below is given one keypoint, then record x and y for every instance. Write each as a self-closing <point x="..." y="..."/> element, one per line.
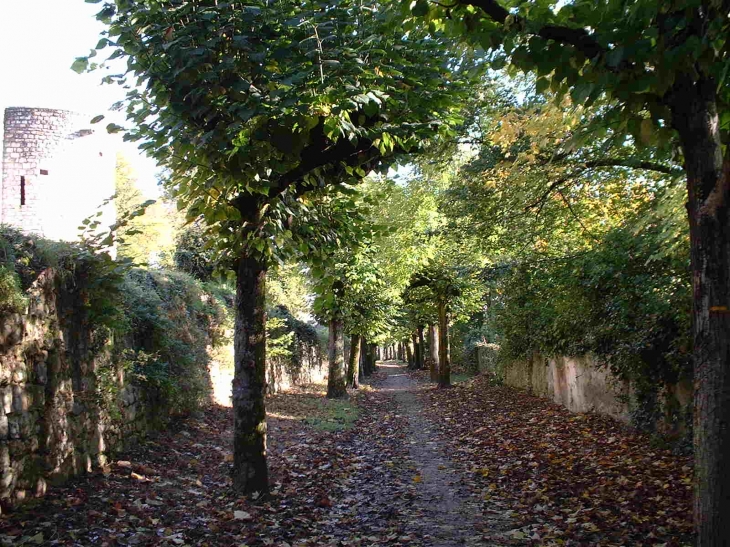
<point x="605" y="162"/>
<point x="576" y="37"/>
<point x="576" y="217"/>
<point x="634" y="164"/>
<point x="550" y="189"/>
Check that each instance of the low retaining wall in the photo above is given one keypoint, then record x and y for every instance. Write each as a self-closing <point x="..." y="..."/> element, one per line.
<point x="578" y="384"/>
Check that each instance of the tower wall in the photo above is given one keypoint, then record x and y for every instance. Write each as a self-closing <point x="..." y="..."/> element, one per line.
<point x="56" y="172"/>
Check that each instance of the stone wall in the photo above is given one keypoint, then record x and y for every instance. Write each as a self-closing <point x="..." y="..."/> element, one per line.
<point x="580" y="385"/>
<point x="65" y="404"/>
<point x="54" y="421"/>
<point x="56" y="171"/>
<point x="308" y="367"/>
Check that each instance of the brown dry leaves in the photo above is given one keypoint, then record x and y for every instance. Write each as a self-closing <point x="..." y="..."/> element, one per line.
<point x="573" y="479"/>
<point x="176" y="490"/>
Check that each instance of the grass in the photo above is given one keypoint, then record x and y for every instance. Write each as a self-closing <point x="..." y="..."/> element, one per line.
<point x="335" y="415"/>
<point x="310" y="405"/>
<point x="458" y="377"/>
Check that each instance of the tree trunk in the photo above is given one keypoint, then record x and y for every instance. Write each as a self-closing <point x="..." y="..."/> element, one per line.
<point x="421" y="349"/>
<point x="416" y="357"/>
<point x="362" y="359"/>
<point x="366" y="357"/>
<point x="335" y="352"/>
<point x="433" y="351"/>
<point x="250" y="472"/>
<point x="409" y="354"/>
<point x="354" y="362"/>
<point x="695" y="117"/>
<point x="444" y="364"/>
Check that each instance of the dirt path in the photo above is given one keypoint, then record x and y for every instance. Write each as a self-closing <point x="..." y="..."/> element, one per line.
<point x="386" y="481"/>
<point x="398" y="464"/>
<point x="448" y="513"/>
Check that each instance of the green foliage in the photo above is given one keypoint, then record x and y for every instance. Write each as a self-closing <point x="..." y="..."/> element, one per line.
<point x="12" y="299"/>
<point x="279" y="338"/>
<point x="248" y="104"/>
<point x="529" y="190"/>
<point x="352" y="288"/>
<point x="621" y="301"/>
<point x="288" y="337"/>
<point x="148" y="237"/>
<point x="157" y="325"/>
<point x="11" y="295"/>
<point x="88" y="276"/>
<point x="287" y="286"/>
<point x="193" y="254"/>
<point x="634" y="56"/>
<point x="171" y="321"/>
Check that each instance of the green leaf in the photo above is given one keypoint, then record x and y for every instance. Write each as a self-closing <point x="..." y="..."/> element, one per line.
<point x="80" y="65"/>
<point x="419" y="8"/>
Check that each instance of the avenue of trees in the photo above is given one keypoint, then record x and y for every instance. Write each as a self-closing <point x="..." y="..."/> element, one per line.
<point x="539" y="207"/>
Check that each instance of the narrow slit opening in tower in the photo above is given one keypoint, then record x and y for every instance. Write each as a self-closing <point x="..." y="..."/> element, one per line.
<point x="22" y="191"/>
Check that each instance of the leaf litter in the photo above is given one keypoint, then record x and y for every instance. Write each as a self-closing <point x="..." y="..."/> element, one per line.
<point x="571" y="479"/>
<point x="396" y="464"/>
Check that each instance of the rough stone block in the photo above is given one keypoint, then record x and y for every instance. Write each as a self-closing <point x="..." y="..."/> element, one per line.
<point x="41" y="372"/>
<point x="4" y="456"/>
<point x="6" y="372"/>
<point x="20" y="400"/>
<point x="8" y="478"/>
<point x="27" y="426"/>
<point x="11" y="330"/>
<point x="36" y="396"/>
<point x="13" y="427"/>
<point x="78" y="408"/>
<point x="19" y="375"/>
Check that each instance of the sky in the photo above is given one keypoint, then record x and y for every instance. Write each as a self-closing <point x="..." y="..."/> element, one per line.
<point x="39" y="40"/>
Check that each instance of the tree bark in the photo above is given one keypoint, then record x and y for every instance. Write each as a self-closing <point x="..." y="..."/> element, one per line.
<point x="409" y="353"/>
<point x="414" y="344"/>
<point x="433" y="351"/>
<point x="695" y="117"/>
<point x="336" y="387"/>
<point x="444" y="364"/>
<point x="250" y="472"/>
<point x="353" y="373"/>
<point x="362" y="359"/>
<point x="421" y="349"/>
<point x="366" y="350"/>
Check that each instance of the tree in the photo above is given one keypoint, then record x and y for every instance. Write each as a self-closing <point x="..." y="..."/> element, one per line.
<point x="444" y="286"/>
<point x="662" y="67"/>
<point x="145" y="238"/>
<point x="250" y="107"/>
<point x="349" y="291"/>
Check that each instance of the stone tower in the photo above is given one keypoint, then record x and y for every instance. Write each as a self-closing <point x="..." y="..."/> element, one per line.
<point x="56" y="171"/>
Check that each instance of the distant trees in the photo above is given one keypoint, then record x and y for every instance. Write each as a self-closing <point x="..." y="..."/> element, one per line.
<point x="252" y="107"/>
